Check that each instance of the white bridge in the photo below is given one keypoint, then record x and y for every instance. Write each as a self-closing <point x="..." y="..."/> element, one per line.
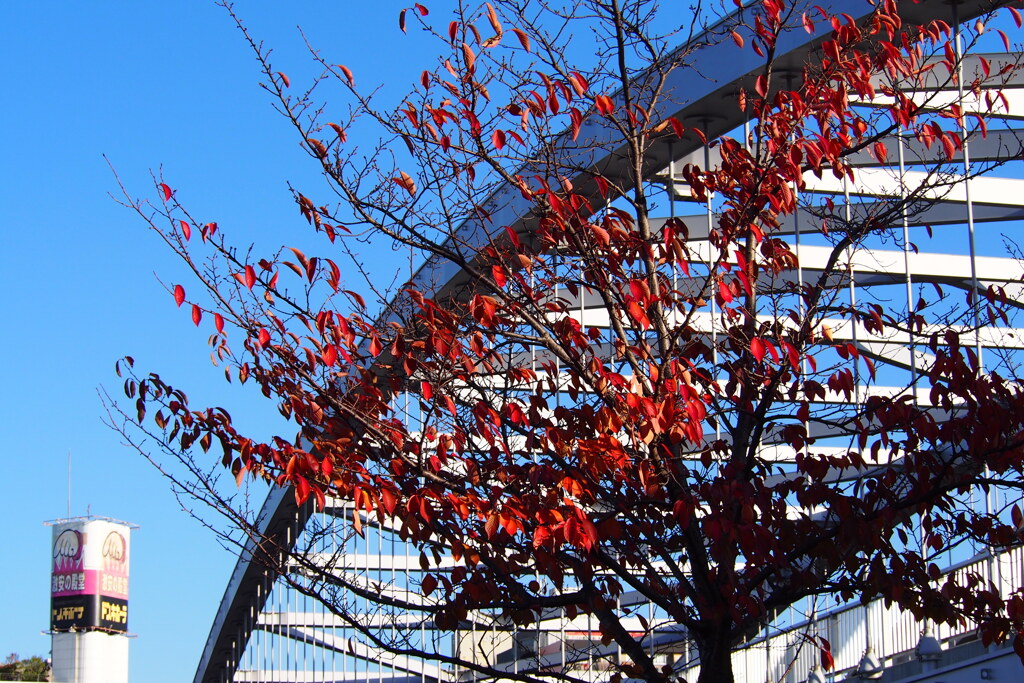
<point x="268" y="631"/>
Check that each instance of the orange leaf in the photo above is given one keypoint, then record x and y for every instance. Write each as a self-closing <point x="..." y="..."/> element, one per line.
<point x="880" y="151"/>
<point x="340" y="131"/>
<point x="737" y="38"/>
<point x="405" y="181"/>
<point x="498" y="273"/>
<point x="524" y="39"/>
<point x="578" y="83"/>
<point x="492" y="17"/>
<point x="348" y="74"/>
<point x="605" y="105"/>
<point x="469" y="57"/>
<point x="357" y="298"/>
<point x="284" y="79"/>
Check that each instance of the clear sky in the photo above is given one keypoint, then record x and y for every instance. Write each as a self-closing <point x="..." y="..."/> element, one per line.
<point x="149" y="85"/>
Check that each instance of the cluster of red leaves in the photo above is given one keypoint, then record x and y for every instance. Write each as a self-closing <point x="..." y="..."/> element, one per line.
<point x="627" y="452"/>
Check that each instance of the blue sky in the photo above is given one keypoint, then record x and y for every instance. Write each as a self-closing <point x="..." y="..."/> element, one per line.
<point x="149" y="85"/>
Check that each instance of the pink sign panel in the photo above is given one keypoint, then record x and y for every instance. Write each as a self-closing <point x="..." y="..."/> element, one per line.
<point x="89" y="575"/>
<point x="69" y="575"/>
<point x="113" y="580"/>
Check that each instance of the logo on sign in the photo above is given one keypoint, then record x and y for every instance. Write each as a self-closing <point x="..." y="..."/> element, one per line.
<point x="67" y="549"/>
<point x="115" y="548"/>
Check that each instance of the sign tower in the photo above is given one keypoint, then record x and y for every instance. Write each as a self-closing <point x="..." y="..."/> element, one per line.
<point x="89" y="600"/>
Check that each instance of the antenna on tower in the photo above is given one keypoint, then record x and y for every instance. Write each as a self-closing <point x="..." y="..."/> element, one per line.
<point x="69" y="483"/>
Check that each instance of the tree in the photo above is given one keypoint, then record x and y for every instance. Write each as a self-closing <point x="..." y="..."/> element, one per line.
<point x="571" y="399"/>
<point x="31" y="669"/>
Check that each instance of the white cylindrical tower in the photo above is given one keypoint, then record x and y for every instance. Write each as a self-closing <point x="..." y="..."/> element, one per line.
<point x="89" y="600"/>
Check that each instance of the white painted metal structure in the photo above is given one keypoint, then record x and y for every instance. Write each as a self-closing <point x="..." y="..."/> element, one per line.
<point x="266" y="631"/>
<point x="89" y="600"/>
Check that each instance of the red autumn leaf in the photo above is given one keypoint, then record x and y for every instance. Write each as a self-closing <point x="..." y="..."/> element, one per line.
<point x="166" y="192"/>
<point x="578" y="82"/>
<point x="401" y="20"/>
<point x="677" y="126"/>
<point x="498" y="273"/>
<point x="405" y="181"/>
<point x="757" y="349"/>
<point x="725" y="291"/>
<point x="468" y="57"/>
<point x="342" y="136"/>
<point x="197" y="314"/>
<point x="388" y="501"/>
<point x="302" y="489"/>
<point x="761" y="85"/>
<point x="284" y="79"/>
<point x="498" y="138"/>
<point x="348" y="74"/>
<point x="1003" y="36"/>
<point x="737" y="38"/>
<point x="576" y="119"/>
<point x="330" y="354"/>
<point x="492" y="17"/>
<point x="186" y="230"/>
<point x="375" y="346"/>
<point x="179" y="295"/>
<point x="604" y="104"/>
<point x="421" y="9"/>
<point x="250" y="277"/>
<point x="356" y="297"/>
<point x="827" y="661"/>
<point x="881" y="152"/>
<point x="218" y="322"/>
<point x="524" y="39"/>
<point x="264" y="337"/>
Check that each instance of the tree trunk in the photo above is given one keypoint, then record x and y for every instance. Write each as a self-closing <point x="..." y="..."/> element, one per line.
<point x="715" y="657"/>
